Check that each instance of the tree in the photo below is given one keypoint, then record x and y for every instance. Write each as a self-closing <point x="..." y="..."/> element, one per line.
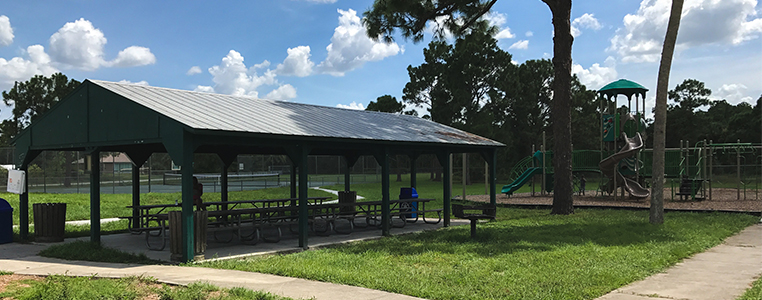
<point x="656" y="215"/>
<point x="690" y="95"/>
<point x="30" y="100"/>
<point x="386" y="103"/>
<point x="458" y="16"/>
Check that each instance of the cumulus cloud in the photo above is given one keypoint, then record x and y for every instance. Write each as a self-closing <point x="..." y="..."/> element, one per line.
<point x="134" y="56"/>
<point x="498" y="19"/>
<point x="297" y="63"/>
<point x="283" y="92"/>
<point x="234" y="78"/>
<point x="596" y="76"/>
<point x="351" y="47"/>
<point x="193" y="71"/>
<point x="6" y="31"/>
<point x="204" y="88"/>
<point x="80" y="45"/>
<point x="353" y="105"/>
<point x="142" y="82"/>
<point x="21" y="69"/>
<point x="587" y="21"/>
<point x="522" y="44"/>
<point x="733" y="93"/>
<point x="704" y="22"/>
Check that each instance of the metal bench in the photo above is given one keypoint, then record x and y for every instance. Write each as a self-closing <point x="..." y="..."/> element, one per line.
<point x="485" y="212"/>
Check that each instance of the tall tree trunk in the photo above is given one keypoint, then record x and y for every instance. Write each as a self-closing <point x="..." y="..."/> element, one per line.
<point x="656" y="215"/>
<point x="562" y="144"/>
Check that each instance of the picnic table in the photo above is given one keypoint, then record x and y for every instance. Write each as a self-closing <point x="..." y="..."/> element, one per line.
<point x="272" y="214"/>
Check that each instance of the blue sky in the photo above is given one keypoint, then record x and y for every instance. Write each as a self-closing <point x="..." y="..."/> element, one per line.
<point x="316" y="51"/>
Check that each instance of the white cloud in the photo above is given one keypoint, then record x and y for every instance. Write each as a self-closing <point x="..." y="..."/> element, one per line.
<point x="733" y="93"/>
<point x="587" y="21"/>
<point x="134" y="56"/>
<point x="232" y="76"/>
<point x="529" y="34"/>
<point x="193" y="71"/>
<point x="142" y="82"/>
<point x="351" y="47"/>
<point x="353" y="105"/>
<point x="204" y="89"/>
<point x="21" y="69"/>
<point x="498" y="19"/>
<point x="297" y="63"/>
<point x="283" y="92"/>
<point x="596" y="76"/>
<point x="704" y="22"/>
<point x="78" y="44"/>
<point x="322" y="1"/>
<point x="6" y="31"/>
<point x="522" y="44"/>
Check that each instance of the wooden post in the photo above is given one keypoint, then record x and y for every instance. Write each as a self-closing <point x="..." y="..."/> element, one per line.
<point x="95" y="197"/>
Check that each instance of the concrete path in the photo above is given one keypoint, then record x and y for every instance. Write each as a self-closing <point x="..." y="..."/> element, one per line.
<point x="722" y="272"/>
<point x="284" y="286"/>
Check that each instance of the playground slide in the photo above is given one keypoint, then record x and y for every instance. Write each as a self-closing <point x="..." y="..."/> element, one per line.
<point x="610" y="163"/>
<point x="519" y="182"/>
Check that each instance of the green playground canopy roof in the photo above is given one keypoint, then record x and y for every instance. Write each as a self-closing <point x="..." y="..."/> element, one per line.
<point x="623" y="87"/>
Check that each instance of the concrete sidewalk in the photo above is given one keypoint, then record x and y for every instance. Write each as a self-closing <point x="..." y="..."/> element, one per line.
<point x="722" y="272"/>
<point x="284" y="286"/>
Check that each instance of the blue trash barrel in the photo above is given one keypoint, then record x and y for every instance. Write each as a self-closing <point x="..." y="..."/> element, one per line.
<point x="410" y="193"/>
<point x="6" y="222"/>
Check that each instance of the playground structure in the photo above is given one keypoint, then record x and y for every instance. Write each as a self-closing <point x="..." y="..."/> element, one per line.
<point x="625" y="164"/>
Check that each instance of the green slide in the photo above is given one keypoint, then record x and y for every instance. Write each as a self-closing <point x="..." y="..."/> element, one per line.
<point x="519" y="182"/>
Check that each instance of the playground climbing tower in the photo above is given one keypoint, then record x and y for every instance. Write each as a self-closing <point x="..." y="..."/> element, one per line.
<point x="622" y="137"/>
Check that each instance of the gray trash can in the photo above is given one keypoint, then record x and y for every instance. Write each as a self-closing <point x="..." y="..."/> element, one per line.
<point x="49" y="222"/>
<point x="6" y="222"/>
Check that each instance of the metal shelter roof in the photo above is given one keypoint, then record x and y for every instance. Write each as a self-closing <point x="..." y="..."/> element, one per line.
<point x="127" y="117"/>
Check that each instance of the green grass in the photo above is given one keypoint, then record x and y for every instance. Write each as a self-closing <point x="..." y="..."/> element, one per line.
<point x="115" y="205"/>
<point x="61" y="287"/>
<point x="526" y="254"/>
<point x="754" y="293"/>
<point x="87" y="251"/>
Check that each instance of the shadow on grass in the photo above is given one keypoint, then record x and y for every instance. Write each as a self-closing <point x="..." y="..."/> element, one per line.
<point x="504" y="237"/>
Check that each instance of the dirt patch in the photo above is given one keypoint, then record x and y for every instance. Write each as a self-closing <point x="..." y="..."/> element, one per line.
<point x="722" y="199"/>
<point x="6" y="280"/>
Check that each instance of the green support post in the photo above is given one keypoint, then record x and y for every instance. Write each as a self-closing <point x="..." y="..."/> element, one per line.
<point x="347" y="175"/>
<point x="224" y="185"/>
<point x="95" y="197"/>
<point x="293" y="181"/>
<point x="383" y="158"/>
<point x="444" y="160"/>
<point x="24" y="207"/>
<point x="188" y="250"/>
<point x="493" y="177"/>
<point x="303" y="188"/>
<point x="135" y="196"/>
<point x="413" y="171"/>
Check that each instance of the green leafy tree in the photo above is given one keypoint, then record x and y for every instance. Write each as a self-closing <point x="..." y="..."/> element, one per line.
<point x="690" y="95"/>
<point x="386" y="103"/>
<point x="458" y="16"/>
<point x="31" y="99"/>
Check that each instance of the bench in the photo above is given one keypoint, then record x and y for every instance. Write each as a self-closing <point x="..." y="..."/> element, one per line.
<point x="485" y="212"/>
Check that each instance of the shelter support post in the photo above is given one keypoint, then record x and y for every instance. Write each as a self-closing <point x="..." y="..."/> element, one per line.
<point x="298" y="155"/>
<point x="413" y="171"/>
<point x="444" y="160"/>
<point x="135" y="196"/>
<point x="293" y="180"/>
<point x="382" y="157"/>
<point x="350" y="161"/>
<point x="24" y="207"/>
<point x="188" y="249"/>
<point x="95" y="196"/>
<point x="227" y="159"/>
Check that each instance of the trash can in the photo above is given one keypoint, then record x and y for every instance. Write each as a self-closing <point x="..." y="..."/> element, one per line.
<point x="410" y="193"/>
<point x="200" y="220"/>
<point x="6" y="222"/>
<point x="347" y="197"/>
<point x="49" y="222"/>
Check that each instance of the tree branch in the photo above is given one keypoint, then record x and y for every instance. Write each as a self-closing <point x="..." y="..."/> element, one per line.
<point x="470" y="22"/>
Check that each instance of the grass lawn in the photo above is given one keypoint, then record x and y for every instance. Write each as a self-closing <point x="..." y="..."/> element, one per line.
<point x="58" y="287"/>
<point x="754" y="293"/>
<point x="525" y="254"/>
<point x="115" y="205"/>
